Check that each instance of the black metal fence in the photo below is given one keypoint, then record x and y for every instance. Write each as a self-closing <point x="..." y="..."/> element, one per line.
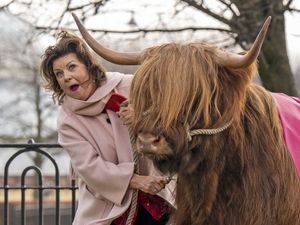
<point x="39" y="188"/>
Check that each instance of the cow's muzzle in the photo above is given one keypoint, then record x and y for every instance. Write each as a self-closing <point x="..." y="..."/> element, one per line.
<point x="148" y="143"/>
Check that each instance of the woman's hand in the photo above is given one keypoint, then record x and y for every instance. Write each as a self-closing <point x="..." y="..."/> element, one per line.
<point x="148" y="184"/>
<point x="126" y="114"/>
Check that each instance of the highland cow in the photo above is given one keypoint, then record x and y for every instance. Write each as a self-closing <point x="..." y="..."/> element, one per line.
<point x="199" y="116"/>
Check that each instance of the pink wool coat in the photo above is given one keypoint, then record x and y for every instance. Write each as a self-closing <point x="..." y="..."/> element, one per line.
<point x="101" y="155"/>
<point x="289" y="113"/>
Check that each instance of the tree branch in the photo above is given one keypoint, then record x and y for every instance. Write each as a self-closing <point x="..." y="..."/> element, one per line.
<point x="228" y="5"/>
<point x="288" y="5"/>
<point x="207" y="11"/>
<point x="78" y="7"/>
<point x="62" y="15"/>
<point x="6" y="5"/>
<point x="293" y="10"/>
<point x="162" y="30"/>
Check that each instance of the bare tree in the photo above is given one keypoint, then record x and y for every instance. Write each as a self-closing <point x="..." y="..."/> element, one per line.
<point x="239" y="20"/>
<point x="25" y="115"/>
<point x="245" y="21"/>
<point x="21" y="66"/>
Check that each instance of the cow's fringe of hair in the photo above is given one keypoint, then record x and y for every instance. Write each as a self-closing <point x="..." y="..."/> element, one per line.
<point x="192" y="84"/>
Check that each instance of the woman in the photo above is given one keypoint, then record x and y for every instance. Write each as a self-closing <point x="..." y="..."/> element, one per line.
<point x="97" y="141"/>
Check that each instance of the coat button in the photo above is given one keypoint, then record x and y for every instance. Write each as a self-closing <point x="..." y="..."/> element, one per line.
<point x="108" y="120"/>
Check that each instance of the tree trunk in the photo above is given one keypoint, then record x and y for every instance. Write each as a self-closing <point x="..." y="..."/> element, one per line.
<point x="274" y="68"/>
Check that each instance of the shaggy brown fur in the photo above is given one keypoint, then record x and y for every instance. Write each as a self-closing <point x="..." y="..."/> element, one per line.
<point x="241" y="176"/>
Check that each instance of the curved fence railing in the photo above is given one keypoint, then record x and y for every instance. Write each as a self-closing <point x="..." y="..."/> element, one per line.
<point x="39" y="186"/>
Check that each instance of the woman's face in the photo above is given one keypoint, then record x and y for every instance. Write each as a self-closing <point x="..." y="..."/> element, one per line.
<point x="73" y="77"/>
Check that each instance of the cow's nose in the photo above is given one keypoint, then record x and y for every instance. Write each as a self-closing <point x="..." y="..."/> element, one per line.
<point x="148" y="140"/>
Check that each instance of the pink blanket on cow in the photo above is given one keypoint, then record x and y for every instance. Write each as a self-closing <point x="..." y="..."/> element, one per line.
<point x="289" y="113"/>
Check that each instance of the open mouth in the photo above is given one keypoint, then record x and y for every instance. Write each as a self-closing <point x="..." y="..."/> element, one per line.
<point x="74" y="87"/>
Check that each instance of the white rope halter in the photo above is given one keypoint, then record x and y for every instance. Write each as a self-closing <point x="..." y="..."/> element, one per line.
<point x="192" y="133"/>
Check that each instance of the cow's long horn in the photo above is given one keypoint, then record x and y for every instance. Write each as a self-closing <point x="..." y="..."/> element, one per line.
<point x="238" y="61"/>
<point x="132" y="58"/>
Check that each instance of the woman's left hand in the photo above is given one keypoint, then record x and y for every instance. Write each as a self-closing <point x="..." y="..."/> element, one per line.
<point x="126" y="114"/>
<point x="148" y="184"/>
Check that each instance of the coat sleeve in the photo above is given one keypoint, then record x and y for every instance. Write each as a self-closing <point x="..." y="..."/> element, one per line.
<point x="104" y="179"/>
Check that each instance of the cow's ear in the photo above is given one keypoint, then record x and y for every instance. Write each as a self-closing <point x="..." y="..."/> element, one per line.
<point x="239" y="78"/>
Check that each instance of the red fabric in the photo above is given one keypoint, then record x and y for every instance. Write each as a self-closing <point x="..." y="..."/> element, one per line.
<point x="155" y="205"/>
<point x="123" y="218"/>
<point x="114" y="102"/>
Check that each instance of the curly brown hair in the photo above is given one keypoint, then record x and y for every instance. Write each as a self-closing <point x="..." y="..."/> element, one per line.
<point x="68" y="43"/>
